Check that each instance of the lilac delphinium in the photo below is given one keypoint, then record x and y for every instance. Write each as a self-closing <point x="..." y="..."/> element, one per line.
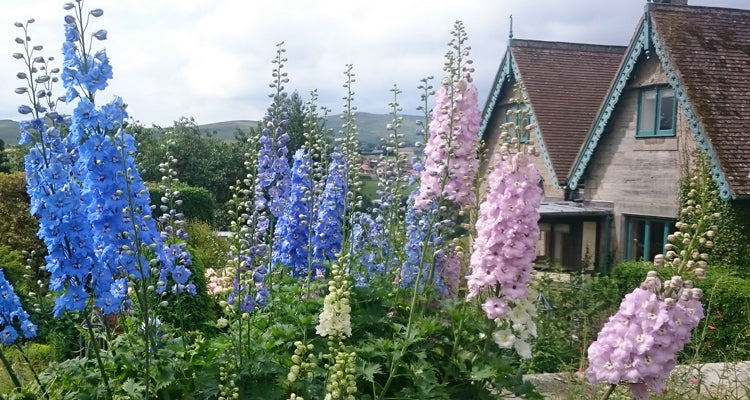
<point x="504" y="249"/>
<point x="292" y="247"/>
<point x="639" y="344"/>
<point x="329" y="220"/>
<point x="507" y="229"/>
<point x="12" y="315"/>
<point x="451" y="162"/>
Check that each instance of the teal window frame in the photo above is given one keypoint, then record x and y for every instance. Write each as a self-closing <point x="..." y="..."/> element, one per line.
<point x="657" y="106"/>
<point x="521" y="124"/>
<point x="651" y="229"/>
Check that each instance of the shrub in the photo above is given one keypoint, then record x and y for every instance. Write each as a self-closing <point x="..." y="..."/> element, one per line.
<point x="17" y="226"/>
<point x="197" y="203"/>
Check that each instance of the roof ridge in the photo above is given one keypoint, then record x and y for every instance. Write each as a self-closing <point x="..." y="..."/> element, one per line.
<point x="544" y="44"/>
<point x="690" y="7"/>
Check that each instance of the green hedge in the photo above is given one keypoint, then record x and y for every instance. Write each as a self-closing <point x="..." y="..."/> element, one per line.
<point x="197" y="203"/>
<point x="18" y="227"/>
<point x="724" y="335"/>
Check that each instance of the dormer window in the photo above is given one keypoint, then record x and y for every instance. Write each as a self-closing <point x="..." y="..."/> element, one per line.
<point x="656" y="112"/>
<point x="521" y="120"/>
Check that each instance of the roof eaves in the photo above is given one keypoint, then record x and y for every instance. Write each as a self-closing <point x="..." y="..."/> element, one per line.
<point x="509" y="69"/>
<point x="504" y="73"/>
<point x="693" y="118"/>
<point x="638" y="44"/>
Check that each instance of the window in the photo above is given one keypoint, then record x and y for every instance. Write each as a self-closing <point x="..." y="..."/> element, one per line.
<point x="555" y="244"/>
<point x="656" y="112"/>
<point x="646" y="237"/>
<point x="512" y="115"/>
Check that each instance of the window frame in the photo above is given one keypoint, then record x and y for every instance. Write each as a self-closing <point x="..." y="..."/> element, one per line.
<point x="630" y="220"/>
<point x="520" y="124"/>
<point x="656" y="132"/>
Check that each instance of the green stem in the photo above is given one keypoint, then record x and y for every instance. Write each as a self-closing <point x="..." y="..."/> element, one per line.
<point x="32" y="369"/>
<point x="11" y="372"/>
<point x="99" y="362"/>
<point x="609" y="391"/>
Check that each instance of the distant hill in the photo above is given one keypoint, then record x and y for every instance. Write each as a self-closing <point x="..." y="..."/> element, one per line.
<point x="9" y="132"/>
<point x="371" y="128"/>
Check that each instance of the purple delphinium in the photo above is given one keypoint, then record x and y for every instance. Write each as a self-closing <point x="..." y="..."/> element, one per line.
<point x="329" y="220"/>
<point x="12" y="315"/>
<point x="292" y="244"/>
<point x="274" y="176"/>
<point x="417" y="226"/>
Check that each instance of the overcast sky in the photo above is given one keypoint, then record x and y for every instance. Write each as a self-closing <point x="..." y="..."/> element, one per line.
<point x="211" y="59"/>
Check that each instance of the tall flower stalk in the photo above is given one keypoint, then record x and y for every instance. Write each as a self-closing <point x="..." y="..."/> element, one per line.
<point x="638" y="346"/>
<point x="94" y="213"/>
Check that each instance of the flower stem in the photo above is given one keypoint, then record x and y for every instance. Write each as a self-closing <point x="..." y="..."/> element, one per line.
<point x="32" y="369"/>
<point x="9" y="368"/>
<point x="92" y="336"/>
<point x="609" y="391"/>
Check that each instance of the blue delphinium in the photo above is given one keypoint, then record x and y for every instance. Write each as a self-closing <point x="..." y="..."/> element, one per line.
<point x="12" y="315"/>
<point x="368" y="245"/>
<point x="177" y="258"/>
<point x="292" y="246"/>
<point x="274" y="176"/>
<point x="329" y="220"/>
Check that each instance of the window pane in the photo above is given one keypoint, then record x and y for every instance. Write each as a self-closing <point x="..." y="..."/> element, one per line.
<point x="666" y="109"/>
<point x="647" y="110"/>
<point x="656" y="239"/>
<point x="637" y="236"/>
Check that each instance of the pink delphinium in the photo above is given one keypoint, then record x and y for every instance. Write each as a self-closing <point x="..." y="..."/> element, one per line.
<point x="638" y="345"/>
<point x="507" y="230"/>
<point x="451" y="163"/>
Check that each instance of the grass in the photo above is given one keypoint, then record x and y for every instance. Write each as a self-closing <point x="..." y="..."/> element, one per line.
<point x="40" y="356"/>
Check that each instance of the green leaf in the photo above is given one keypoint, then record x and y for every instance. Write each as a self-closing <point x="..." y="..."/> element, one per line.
<point x="369" y="370"/>
<point x="133" y="388"/>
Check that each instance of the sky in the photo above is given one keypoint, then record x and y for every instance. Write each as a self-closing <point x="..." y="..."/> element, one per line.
<point x="211" y="60"/>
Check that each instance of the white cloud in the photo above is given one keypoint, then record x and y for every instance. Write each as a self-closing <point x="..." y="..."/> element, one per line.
<point x="212" y="59"/>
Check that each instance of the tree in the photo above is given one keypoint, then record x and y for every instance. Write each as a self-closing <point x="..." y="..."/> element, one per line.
<point x="3" y="158"/>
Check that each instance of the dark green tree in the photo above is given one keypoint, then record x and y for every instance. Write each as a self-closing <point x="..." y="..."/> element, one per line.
<point x="4" y="167"/>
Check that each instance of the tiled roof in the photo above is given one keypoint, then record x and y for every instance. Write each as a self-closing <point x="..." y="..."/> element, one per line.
<point x="709" y="49"/>
<point x="566" y="84"/>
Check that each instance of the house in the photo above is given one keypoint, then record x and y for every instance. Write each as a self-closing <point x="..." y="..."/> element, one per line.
<point x="563" y="86"/>
<point x="684" y="84"/>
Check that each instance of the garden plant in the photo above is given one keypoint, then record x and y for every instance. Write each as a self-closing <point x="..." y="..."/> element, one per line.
<point x="424" y="292"/>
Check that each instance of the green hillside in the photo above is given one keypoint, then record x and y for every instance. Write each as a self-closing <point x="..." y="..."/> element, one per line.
<point x="9" y="132"/>
<point x="371" y="128"/>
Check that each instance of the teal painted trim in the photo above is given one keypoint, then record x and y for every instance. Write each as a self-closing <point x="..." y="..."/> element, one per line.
<point x="628" y="237"/>
<point x="537" y="133"/>
<point x="696" y="127"/>
<point x="639" y="43"/>
<point x="607" y="239"/>
<point x="665" y="236"/>
<point x="646" y="240"/>
<point x="503" y="75"/>
<point x="508" y="70"/>
<point x="657" y="108"/>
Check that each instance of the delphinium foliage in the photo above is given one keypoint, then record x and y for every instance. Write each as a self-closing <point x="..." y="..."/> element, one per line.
<point x="639" y="344"/>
